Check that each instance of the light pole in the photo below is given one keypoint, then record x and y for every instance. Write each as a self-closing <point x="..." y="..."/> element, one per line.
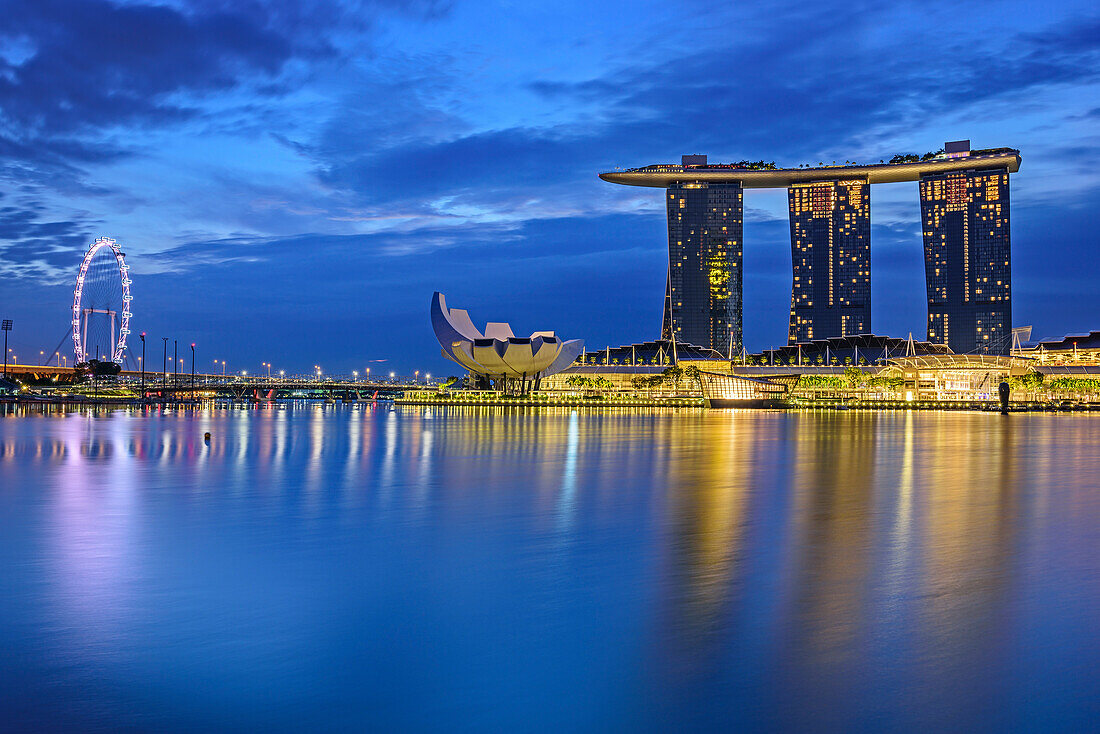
<point x="416" y="377"/>
<point x="223" y="368"/>
<point x="354" y="376"/>
<point x="175" y="360"/>
<point x="164" y="365"/>
<point x="192" y="371"/>
<point x="142" y="365"/>
<point x="6" y="325"/>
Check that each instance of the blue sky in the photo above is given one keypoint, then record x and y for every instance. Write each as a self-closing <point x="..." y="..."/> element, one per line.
<point x="292" y="181"/>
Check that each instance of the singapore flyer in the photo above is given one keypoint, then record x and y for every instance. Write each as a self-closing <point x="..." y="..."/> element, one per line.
<point x="101" y="304"/>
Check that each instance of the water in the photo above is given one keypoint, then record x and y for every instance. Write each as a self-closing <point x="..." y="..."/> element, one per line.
<point x="330" y="568"/>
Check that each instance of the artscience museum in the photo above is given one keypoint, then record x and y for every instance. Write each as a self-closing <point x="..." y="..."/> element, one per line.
<point x="496" y="357"/>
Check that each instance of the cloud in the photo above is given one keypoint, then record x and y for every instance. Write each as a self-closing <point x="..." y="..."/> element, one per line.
<point x="79" y="79"/>
<point x="40" y="251"/>
<point x="814" y="83"/>
<point x="805" y="83"/>
<point x="99" y="64"/>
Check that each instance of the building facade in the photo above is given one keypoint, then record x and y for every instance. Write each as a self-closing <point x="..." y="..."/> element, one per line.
<point x="967" y="262"/>
<point x="703" y="294"/>
<point x="830" y="259"/>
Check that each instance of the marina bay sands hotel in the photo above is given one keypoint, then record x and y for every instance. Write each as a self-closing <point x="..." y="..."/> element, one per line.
<point x="964" y="212"/>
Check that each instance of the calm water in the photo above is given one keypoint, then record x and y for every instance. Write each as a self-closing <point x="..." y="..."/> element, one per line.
<point x="356" y="568"/>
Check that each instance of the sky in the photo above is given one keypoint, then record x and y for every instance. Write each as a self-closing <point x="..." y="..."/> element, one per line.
<point x="292" y="181"/>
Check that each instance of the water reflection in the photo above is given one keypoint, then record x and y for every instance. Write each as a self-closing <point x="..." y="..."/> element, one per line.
<point x="767" y="570"/>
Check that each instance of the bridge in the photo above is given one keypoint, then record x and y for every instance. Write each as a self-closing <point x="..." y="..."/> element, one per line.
<point x="236" y="387"/>
<point x="268" y="388"/>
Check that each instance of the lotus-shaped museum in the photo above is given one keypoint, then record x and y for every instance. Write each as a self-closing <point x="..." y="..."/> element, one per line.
<point x="498" y="353"/>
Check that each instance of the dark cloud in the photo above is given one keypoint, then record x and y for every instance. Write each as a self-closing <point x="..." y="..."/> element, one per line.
<point x="82" y="75"/>
<point x="806" y="83"/>
<point x="817" y="84"/>
<point x="96" y="63"/>
<point x="509" y="159"/>
<point x="88" y="69"/>
<point x="41" y="251"/>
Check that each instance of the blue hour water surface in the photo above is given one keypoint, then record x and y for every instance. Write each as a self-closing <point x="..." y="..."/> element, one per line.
<point x="332" y="568"/>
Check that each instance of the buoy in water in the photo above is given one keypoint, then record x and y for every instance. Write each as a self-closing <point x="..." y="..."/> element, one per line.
<point x="206" y="437"/>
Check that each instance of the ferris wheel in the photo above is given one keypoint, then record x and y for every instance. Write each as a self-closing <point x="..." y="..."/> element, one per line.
<point x="101" y="303"/>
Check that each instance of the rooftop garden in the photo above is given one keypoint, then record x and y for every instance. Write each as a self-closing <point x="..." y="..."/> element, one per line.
<point x="993" y="151"/>
<point x="914" y="158"/>
<point x="773" y="166"/>
<point x="750" y="165"/>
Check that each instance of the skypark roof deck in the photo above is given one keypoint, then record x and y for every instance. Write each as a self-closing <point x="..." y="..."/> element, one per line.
<point x="662" y="175"/>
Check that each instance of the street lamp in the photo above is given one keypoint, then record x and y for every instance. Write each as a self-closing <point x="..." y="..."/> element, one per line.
<point x="416" y="376"/>
<point x="6" y="325"/>
<point x="142" y="362"/>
